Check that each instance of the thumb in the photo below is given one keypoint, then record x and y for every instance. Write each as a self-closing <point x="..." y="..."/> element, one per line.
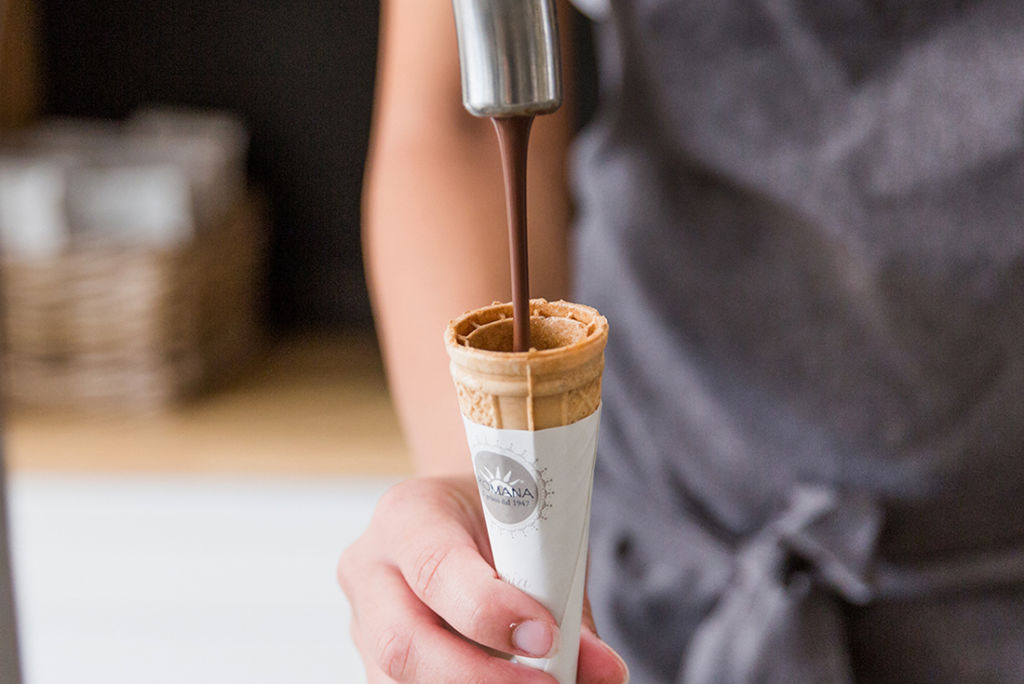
<point x="599" y="663"/>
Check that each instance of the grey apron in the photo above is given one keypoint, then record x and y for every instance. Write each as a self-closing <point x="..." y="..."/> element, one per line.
<point x="803" y="220"/>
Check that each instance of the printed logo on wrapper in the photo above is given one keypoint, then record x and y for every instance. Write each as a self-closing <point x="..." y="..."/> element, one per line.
<point x="511" y="491"/>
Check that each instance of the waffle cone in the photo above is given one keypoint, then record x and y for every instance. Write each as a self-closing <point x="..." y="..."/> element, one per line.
<point x="531" y="422"/>
<point x="556" y="383"/>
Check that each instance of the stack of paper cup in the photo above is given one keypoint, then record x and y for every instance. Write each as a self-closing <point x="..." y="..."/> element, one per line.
<point x="531" y="421"/>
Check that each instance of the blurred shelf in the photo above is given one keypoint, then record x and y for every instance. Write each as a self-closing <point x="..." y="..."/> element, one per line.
<point x="311" y="405"/>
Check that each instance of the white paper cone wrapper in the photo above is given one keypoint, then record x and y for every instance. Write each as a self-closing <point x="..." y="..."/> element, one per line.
<point x="535" y="487"/>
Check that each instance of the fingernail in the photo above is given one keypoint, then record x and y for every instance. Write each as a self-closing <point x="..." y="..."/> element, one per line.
<point x="623" y="677"/>
<point x="625" y="668"/>
<point x="535" y="638"/>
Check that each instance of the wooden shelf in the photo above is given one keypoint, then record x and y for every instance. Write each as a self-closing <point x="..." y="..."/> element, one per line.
<point x="310" y="405"/>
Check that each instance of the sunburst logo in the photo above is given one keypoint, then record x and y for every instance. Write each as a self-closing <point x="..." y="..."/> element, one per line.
<point x="508" y="489"/>
<point x="505" y="485"/>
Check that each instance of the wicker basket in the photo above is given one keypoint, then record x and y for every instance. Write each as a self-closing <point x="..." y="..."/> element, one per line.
<point x="133" y="328"/>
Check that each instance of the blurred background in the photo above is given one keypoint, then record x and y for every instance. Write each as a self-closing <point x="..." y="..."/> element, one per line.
<point x="195" y="416"/>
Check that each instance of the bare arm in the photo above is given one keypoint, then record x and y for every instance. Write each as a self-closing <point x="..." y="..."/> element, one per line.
<point x="434" y="232"/>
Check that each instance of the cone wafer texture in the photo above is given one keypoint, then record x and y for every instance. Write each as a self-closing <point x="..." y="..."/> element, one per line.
<point x="556" y="383"/>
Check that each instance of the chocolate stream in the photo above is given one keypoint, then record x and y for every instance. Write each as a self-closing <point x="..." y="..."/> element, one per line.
<point x="514" y="141"/>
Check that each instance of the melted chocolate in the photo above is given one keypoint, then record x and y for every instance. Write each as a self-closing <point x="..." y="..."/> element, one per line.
<point x="514" y="141"/>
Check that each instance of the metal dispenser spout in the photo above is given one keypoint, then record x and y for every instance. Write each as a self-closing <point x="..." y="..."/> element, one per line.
<point x="509" y="52"/>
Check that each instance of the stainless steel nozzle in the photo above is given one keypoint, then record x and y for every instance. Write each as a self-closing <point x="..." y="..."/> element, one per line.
<point x="509" y="51"/>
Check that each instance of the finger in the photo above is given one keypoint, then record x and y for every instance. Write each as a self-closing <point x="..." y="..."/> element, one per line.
<point x="599" y="663"/>
<point x="403" y="641"/>
<point x="444" y="568"/>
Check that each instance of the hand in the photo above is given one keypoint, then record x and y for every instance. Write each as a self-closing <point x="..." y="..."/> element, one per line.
<point x="428" y="607"/>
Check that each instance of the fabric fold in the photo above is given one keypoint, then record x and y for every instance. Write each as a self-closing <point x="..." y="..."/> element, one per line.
<point x="780" y="618"/>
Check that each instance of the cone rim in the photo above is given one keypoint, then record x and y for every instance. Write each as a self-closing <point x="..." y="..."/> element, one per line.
<point x="585" y="348"/>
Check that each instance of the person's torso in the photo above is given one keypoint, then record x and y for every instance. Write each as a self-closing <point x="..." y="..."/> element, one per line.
<point x="803" y="221"/>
